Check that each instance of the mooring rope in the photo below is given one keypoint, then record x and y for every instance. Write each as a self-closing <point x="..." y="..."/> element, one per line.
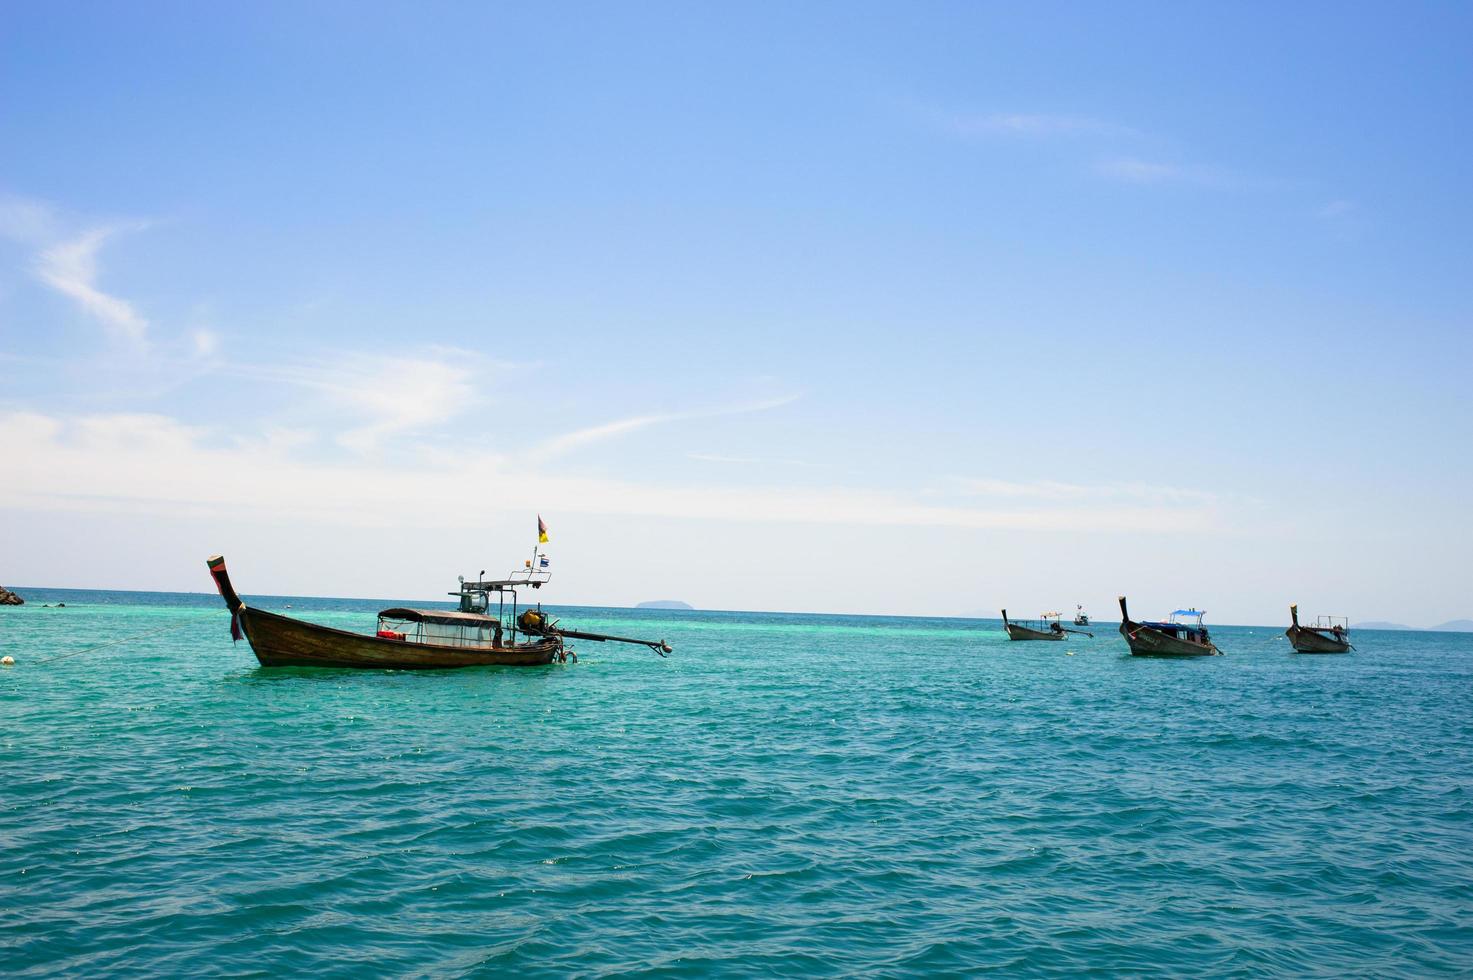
<point x="112" y="643"/>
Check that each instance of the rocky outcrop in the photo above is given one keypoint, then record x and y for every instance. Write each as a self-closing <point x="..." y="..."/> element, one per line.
<point x="8" y="598"/>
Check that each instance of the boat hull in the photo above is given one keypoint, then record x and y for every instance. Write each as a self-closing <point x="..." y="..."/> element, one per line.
<point x="1146" y="642"/>
<point x="1306" y="640"/>
<point x="1016" y="632"/>
<point x="280" y="641"/>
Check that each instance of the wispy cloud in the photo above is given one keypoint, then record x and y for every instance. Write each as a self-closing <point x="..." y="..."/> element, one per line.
<point x="1028" y="124"/>
<point x="1137" y="170"/>
<point x="1120" y="142"/>
<point x="1002" y="124"/>
<point x="205" y="342"/>
<point x="1054" y="491"/>
<point x="67" y="262"/>
<point x="566" y="443"/>
<point x="384" y="396"/>
<point x="70" y="267"/>
<point x="725" y="460"/>
<point x="25" y="220"/>
<point x="1342" y="218"/>
<point x="563" y="444"/>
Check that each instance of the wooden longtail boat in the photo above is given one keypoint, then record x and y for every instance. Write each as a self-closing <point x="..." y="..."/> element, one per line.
<point x="1177" y="637"/>
<point x="1046" y="627"/>
<point x="415" y="639"/>
<point x="1329" y="634"/>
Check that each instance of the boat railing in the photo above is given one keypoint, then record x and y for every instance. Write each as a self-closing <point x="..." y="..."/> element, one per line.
<point x="1332" y="623"/>
<point x="534" y="577"/>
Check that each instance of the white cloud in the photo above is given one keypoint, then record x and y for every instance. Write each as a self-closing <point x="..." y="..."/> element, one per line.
<point x="154" y="464"/>
<point x="70" y="267"/>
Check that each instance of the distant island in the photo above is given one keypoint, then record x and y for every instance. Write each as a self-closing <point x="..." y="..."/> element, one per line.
<point x="665" y="604"/>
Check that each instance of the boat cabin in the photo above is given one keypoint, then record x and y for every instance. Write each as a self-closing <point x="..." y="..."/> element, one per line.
<point x="440" y="627"/>
<point x="1184" y="624"/>
<point x="479" y="622"/>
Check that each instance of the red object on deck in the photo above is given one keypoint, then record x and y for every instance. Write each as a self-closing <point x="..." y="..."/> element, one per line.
<point x="390" y="635"/>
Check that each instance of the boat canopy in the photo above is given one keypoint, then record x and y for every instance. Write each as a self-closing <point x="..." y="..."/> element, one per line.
<point x="1187" y="612"/>
<point x="1192" y="630"/>
<point x="443" y="616"/>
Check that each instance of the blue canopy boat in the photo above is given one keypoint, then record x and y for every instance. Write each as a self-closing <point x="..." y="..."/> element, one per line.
<point x="1179" y="636"/>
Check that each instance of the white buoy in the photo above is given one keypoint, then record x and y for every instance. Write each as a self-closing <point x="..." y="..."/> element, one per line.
<point x="7" y="661"/>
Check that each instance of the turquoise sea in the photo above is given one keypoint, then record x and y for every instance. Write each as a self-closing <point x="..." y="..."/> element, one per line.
<point x="785" y="795"/>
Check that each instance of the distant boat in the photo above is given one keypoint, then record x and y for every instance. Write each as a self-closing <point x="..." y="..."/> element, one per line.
<point x="415" y="639"/>
<point x="1045" y="627"/>
<point x="1177" y="637"/>
<point x="1080" y="619"/>
<point x="1329" y="634"/>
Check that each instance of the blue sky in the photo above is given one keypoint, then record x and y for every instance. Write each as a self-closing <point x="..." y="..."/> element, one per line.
<point x="906" y="308"/>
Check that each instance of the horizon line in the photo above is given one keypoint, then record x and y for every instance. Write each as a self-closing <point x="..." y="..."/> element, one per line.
<point x="783" y="612"/>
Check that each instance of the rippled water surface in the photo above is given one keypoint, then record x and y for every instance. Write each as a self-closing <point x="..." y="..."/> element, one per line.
<point x="785" y="794"/>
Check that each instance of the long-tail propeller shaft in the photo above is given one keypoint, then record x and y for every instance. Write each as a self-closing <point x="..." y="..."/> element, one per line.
<point x="532" y="621"/>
